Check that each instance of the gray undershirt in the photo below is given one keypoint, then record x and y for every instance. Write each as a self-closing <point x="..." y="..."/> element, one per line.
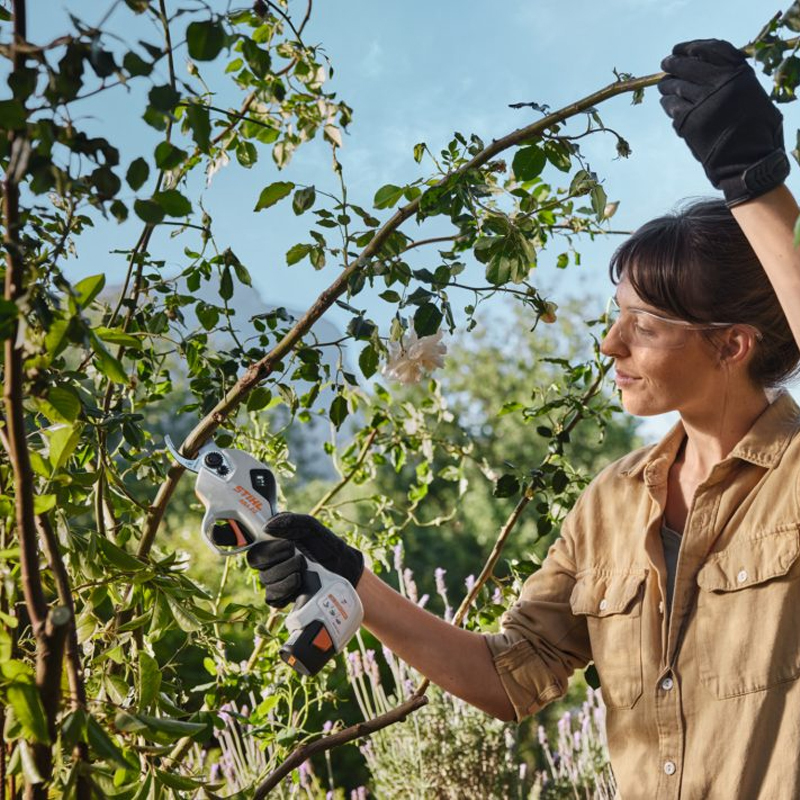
<point x="672" y="545"/>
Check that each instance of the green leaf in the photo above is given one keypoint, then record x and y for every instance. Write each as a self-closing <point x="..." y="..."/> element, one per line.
<point x="173" y="203"/>
<point x="599" y="201"/>
<point x="246" y="154"/>
<point x="87" y="289"/>
<point x="135" y="65"/>
<point x="73" y="729"/>
<point x="273" y="193"/>
<point x="558" y="155"/>
<point x="172" y="727"/>
<point x="427" y="319"/>
<point x="105" y="746"/>
<point x="303" y="199"/>
<point x="297" y="253"/>
<point x="338" y="411"/>
<point x="242" y="273"/>
<point x="63" y="442"/>
<point x="118" y="336"/>
<point x="207" y="314"/>
<point x="148" y="211"/>
<point x="199" y="121"/>
<point x="226" y="284"/>
<point x="387" y="196"/>
<point x="257" y="59"/>
<point x="117" y="557"/>
<point x="168" y="156"/>
<point x="12" y="115"/>
<point x="368" y="361"/>
<point x="205" y="39"/>
<point x="186" y="619"/>
<point x="110" y="366"/>
<point x="528" y="163"/>
<point x="419" y="151"/>
<point x="179" y="782"/>
<point x="149" y="679"/>
<point x="506" y="486"/>
<point x="259" y="398"/>
<point x="60" y="404"/>
<point x="42" y="503"/>
<point x="164" y="98"/>
<point x="24" y="699"/>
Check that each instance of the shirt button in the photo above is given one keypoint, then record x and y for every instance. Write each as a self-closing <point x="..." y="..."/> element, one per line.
<point x="667" y="684"/>
<point x="669" y="767"/>
<point x="742" y="576"/>
<point x="603" y="604"/>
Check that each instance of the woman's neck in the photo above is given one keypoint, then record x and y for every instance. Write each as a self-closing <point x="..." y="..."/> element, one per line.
<point x="711" y="437"/>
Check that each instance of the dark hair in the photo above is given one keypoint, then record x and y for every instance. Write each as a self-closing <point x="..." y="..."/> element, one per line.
<point x="697" y="265"/>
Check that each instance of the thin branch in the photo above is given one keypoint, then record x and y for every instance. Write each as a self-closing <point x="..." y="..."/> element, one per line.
<point x="347" y="478"/>
<point x="236" y="114"/>
<point x="264" y="367"/>
<point x="359" y="731"/>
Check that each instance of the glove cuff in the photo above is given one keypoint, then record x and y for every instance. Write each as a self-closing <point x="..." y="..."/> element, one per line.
<point x="759" y="178"/>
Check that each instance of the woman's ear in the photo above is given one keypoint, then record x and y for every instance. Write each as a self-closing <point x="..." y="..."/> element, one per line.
<point x="737" y="345"/>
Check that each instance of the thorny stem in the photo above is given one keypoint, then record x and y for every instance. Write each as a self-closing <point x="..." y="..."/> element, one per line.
<point x="261" y="369"/>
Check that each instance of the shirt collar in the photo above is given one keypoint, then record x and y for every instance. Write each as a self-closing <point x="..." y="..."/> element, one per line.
<point x="763" y="444"/>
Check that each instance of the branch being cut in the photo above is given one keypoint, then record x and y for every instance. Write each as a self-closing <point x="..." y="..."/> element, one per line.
<point x="261" y="369"/>
<point x="359" y="731"/>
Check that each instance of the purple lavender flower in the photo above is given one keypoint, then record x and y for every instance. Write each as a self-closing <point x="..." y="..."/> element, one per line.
<point x="327" y="727"/>
<point x="470" y="582"/>
<point x="439" y="576"/>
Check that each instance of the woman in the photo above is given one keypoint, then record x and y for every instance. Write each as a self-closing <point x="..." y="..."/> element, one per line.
<point x="678" y="570"/>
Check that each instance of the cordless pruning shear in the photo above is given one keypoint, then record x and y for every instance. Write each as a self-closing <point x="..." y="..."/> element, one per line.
<point x="240" y="496"/>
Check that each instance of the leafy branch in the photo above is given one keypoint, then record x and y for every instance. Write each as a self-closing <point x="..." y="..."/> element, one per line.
<point x="261" y="369"/>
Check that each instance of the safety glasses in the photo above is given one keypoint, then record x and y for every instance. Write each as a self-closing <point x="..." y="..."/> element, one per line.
<point x="639" y="328"/>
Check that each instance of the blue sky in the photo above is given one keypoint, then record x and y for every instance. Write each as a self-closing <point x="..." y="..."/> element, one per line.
<point x="417" y="71"/>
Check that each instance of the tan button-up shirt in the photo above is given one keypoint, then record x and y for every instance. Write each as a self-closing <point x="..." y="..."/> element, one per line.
<point x="703" y="702"/>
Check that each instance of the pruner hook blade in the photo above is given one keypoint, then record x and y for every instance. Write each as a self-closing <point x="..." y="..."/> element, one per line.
<point x="192" y="464"/>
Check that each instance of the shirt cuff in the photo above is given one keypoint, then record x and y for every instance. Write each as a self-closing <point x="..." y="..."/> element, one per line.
<point x="529" y="684"/>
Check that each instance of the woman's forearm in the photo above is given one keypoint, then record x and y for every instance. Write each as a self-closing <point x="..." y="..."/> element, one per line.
<point x="768" y="223"/>
<point x="456" y="659"/>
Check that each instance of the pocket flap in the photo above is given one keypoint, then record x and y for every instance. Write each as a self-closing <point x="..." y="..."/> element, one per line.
<point x="600" y="594"/>
<point x="750" y="563"/>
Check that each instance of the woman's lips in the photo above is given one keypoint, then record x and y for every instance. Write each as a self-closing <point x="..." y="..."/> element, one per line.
<point x="622" y="379"/>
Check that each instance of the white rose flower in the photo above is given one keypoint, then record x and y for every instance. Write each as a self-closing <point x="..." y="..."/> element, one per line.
<point x="410" y="359"/>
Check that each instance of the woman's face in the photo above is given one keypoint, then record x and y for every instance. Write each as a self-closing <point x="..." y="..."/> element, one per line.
<point x="653" y="380"/>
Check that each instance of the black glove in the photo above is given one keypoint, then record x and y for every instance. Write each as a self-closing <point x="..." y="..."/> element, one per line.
<point x="281" y="568"/>
<point x="729" y="122"/>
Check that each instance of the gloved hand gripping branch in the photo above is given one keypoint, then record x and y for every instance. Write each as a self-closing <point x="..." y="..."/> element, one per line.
<point x="726" y="118"/>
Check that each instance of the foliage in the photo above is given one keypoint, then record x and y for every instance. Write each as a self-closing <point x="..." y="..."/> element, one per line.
<point x="115" y="662"/>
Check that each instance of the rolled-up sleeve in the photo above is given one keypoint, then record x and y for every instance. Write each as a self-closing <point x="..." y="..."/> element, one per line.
<point x="541" y="642"/>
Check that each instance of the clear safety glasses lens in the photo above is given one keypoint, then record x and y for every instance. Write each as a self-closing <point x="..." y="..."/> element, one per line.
<point x="639" y="328"/>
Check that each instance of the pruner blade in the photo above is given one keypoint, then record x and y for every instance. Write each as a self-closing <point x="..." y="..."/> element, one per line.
<point x="192" y="464"/>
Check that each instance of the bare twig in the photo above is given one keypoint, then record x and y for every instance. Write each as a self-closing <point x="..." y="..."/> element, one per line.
<point x="359" y="731"/>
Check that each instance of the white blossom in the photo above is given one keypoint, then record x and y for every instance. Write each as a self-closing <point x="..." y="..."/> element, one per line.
<point x="219" y="161"/>
<point x="410" y="359"/>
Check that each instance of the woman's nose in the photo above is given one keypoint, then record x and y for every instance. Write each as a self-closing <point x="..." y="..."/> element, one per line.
<point x="613" y="344"/>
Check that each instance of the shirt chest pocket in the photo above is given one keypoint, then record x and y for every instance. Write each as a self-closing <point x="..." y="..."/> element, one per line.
<point x="611" y="602"/>
<point x="748" y="626"/>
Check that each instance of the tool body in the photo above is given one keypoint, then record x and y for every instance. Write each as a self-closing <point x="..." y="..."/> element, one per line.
<point x="239" y="494"/>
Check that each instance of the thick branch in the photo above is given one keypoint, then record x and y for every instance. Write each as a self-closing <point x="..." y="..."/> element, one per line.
<point x="359" y="731"/>
<point x="264" y="367"/>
